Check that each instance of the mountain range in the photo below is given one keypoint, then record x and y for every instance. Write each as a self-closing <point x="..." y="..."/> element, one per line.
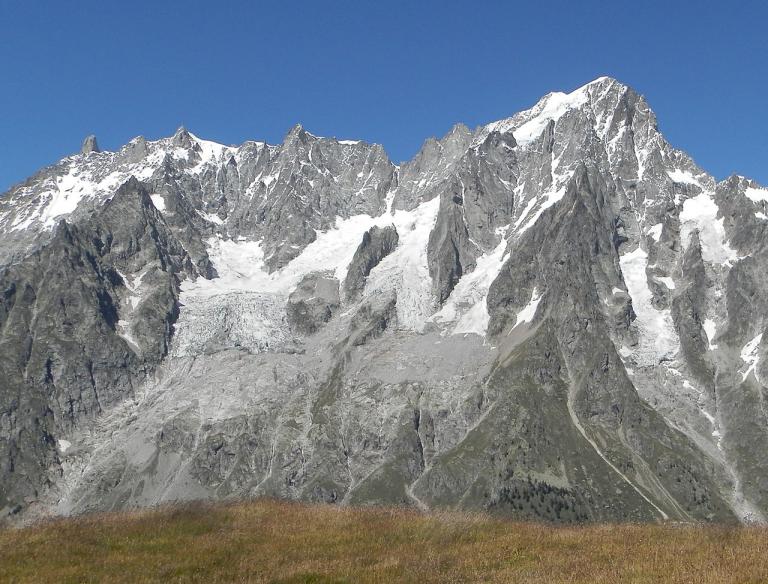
<point x="554" y="316"/>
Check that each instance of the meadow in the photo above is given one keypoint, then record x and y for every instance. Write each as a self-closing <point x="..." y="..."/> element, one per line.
<point x="281" y="542"/>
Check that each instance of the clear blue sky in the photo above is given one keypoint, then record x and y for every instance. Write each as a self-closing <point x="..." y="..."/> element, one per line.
<point x="387" y="72"/>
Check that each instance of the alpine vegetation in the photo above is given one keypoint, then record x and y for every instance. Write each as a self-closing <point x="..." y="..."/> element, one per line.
<point x="555" y="316"/>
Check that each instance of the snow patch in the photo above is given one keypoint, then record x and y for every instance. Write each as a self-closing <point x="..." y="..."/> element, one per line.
<point x="210" y="153"/>
<point x="528" y="125"/>
<point x="683" y="177"/>
<point x="555" y="105"/>
<point x="700" y="399"/>
<point x="124" y="331"/>
<point x="405" y="271"/>
<point x="270" y="178"/>
<point x="749" y="355"/>
<point x="70" y="190"/>
<point x="158" y="201"/>
<point x="210" y="217"/>
<point x="757" y="195"/>
<point x="655" y="232"/>
<point x="133" y="285"/>
<point x="129" y="304"/>
<point x="26" y="217"/>
<point x="528" y="313"/>
<point x="472" y="291"/>
<point x="546" y="200"/>
<point x="657" y="340"/>
<point x="710" y="328"/>
<point x="667" y="281"/>
<point x="700" y="213"/>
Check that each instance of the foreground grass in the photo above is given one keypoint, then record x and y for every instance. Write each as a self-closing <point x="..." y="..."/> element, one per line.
<point x="270" y="541"/>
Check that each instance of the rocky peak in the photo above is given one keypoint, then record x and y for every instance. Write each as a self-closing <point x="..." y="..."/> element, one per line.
<point x="297" y="134"/>
<point x="182" y="138"/>
<point x="136" y="150"/>
<point x="89" y="145"/>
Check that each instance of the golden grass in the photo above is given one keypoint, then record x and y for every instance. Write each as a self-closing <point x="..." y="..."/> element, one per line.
<point x="271" y="541"/>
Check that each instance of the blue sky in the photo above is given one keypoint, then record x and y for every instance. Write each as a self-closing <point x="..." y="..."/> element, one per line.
<point x="388" y="72"/>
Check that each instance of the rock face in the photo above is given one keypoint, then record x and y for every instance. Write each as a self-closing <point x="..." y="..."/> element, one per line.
<point x="84" y="319"/>
<point x="89" y="145"/>
<point x="556" y="315"/>
<point x="378" y="243"/>
<point x="312" y="303"/>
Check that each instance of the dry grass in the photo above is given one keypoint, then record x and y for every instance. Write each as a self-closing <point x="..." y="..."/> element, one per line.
<point x="270" y="541"/>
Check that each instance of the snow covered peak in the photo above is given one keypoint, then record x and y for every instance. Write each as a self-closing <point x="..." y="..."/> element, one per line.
<point x="551" y="108"/>
<point x="602" y="83"/>
<point x="182" y="138"/>
<point x="602" y="123"/>
<point x="297" y="131"/>
<point x="211" y="151"/>
<point x="529" y="124"/>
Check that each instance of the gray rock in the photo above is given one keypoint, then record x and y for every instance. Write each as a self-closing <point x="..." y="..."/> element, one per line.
<point x="89" y="145"/>
<point x="89" y="351"/>
<point x="313" y="303"/>
<point x="451" y="253"/>
<point x="378" y="243"/>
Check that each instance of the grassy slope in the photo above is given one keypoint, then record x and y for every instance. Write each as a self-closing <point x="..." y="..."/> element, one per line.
<point x="269" y="541"/>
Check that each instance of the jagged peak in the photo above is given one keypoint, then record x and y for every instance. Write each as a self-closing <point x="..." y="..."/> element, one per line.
<point x="459" y="128"/>
<point x="458" y="132"/>
<point x="297" y="132"/>
<point x="210" y="150"/>
<point x="741" y="182"/>
<point x="182" y="138"/>
<point x="734" y="179"/>
<point x="89" y="145"/>
<point x="590" y="92"/>
<point x="530" y="123"/>
<point x="604" y="81"/>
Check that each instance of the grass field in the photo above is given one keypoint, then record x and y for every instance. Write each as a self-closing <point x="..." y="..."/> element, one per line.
<point x="270" y="541"/>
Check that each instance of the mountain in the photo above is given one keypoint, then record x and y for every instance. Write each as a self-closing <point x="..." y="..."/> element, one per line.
<point x="555" y="316"/>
